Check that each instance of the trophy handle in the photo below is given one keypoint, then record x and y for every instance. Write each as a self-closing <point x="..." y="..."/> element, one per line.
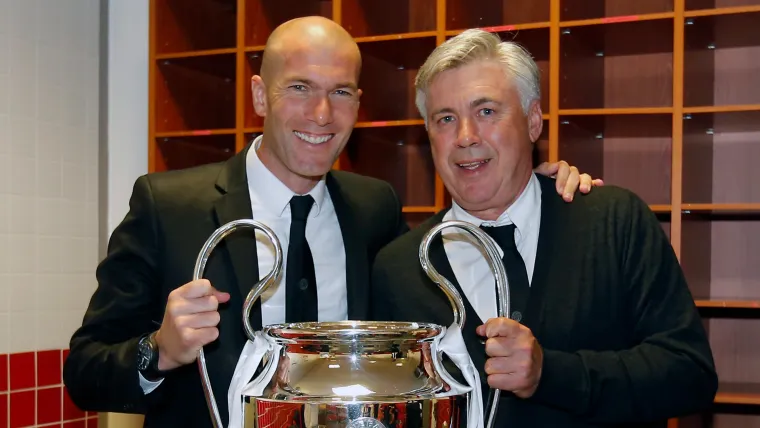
<point x="500" y="273"/>
<point x="256" y="291"/>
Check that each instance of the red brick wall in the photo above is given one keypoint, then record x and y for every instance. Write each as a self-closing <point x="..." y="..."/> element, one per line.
<point x="32" y="392"/>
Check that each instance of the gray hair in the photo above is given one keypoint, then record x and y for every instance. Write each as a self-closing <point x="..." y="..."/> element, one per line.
<point x="472" y="45"/>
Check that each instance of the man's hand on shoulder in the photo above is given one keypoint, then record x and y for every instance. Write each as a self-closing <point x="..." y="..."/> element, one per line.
<point x="515" y="356"/>
<point x="190" y="322"/>
<point x="568" y="178"/>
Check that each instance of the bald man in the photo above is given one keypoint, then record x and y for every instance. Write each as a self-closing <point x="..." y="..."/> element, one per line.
<point x="147" y="319"/>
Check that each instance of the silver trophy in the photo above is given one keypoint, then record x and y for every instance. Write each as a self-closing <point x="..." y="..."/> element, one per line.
<point x="354" y="374"/>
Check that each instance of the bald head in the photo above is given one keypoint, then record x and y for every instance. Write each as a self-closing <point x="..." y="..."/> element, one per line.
<point x="314" y="34"/>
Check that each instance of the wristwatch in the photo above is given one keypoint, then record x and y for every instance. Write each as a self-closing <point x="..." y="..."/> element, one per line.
<point x="147" y="358"/>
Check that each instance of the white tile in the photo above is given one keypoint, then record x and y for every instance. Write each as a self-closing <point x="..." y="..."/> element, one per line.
<point x="74" y="184"/>
<point x="49" y="254"/>
<point x="48" y="137"/>
<point x="48" y="217"/>
<point x="49" y="179"/>
<point x="23" y="215"/>
<point x="5" y="331"/>
<point x="23" y="75"/>
<point x="5" y="126"/>
<point x="5" y="292"/>
<point x="23" y="293"/>
<point x="49" y="291"/>
<point x="5" y="50"/>
<point x="51" y="27"/>
<point x="21" y="253"/>
<point x="23" y="332"/>
<point x="72" y="143"/>
<point x="5" y="95"/>
<point x="23" y="176"/>
<point x="23" y="136"/>
<point x="5" y="173"/>
<point x="23" y="17"/>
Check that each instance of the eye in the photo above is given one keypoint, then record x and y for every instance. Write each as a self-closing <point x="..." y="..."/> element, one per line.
<point x="486" y="111"/>
<point x="343" y="92"/>
<point x="446" y="119"/>
<point x="298" y="87"/>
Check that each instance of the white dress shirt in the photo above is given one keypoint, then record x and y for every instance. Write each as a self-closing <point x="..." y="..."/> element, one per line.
<point x="469" y="262"/>
<point x="270" y="204"/>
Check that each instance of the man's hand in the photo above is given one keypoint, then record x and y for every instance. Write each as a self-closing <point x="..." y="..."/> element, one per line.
<point x="569" y="179"/>
<point x="515" y="359"/>
<point x="189" y="323"/>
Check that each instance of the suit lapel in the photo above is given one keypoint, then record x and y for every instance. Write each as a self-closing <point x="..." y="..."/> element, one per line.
<point x="235" y="204"/>
<point x="357" y="266"/>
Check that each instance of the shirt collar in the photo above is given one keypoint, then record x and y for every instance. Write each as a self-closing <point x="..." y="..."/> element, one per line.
<point x="523" y="212"/>
<point x="269" y="192"/>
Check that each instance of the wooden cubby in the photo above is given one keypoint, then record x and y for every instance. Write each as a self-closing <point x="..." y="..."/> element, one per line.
<point x="659" y="96"/>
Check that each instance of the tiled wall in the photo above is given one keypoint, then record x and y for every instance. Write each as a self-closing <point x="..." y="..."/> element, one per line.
<point x="48" y="199"/>
<point x="36" y="395"/>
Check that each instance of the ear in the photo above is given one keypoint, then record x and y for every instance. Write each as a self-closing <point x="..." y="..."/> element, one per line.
<point x="259" y="92"/>
<point x="535" y="121"/>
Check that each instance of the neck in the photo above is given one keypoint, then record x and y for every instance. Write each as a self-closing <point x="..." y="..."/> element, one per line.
<point x="299" y="184"/>
<point x="492" y="213"/>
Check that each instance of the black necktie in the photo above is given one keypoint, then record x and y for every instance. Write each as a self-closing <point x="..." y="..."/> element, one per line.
<point x="517" y="275"/>
<point x="301" y="282"/>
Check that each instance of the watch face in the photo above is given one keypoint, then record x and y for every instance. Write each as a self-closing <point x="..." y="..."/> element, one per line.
<point x="144" y="352"/>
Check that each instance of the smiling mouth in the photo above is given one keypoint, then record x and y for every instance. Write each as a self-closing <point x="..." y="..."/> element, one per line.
<point x="473" y="165"/>
<point x="313" y="138"/>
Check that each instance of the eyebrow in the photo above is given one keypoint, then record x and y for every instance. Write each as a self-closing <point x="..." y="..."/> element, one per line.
<point x="475" y="103"/>
<point x="310" y="82"/>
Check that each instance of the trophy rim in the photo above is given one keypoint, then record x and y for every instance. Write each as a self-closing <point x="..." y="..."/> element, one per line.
<point x="351" y="331"/>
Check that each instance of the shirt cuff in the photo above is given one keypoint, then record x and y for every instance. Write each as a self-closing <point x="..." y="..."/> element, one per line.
<point x="147" y="385"/>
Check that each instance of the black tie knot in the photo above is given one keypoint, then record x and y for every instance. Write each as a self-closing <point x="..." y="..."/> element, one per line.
<point x="503" y="235"/>
<point x="300" y="207"/>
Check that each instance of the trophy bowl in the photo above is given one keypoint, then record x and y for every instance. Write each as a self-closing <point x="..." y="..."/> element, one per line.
<point x="351" y="373"/>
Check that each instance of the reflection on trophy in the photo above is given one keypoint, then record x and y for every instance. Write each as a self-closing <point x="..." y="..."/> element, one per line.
<point x="355" y="374"/>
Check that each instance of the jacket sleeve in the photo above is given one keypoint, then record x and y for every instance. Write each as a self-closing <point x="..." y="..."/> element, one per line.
<point x="670" y="371"/>
<point x="100" y="372"/>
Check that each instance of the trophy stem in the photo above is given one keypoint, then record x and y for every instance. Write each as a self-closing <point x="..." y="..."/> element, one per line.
<point x="497" y="267"/>
<point x="255" y="292"/>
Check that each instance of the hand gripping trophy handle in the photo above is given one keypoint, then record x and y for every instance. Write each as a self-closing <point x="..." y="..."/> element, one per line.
<point x="256" y="291"/>
<point x="494" y="261"/>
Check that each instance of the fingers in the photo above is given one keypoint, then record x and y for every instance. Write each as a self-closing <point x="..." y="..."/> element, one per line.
<point x="571" y="185"/>
<point x="563" y="172"/>
<point x="499" y="327"/>
<point x="547" y="169"/>
<point x="190" y="322"/>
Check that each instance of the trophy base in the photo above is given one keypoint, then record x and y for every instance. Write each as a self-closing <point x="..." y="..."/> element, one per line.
<point x="442" y="412"/>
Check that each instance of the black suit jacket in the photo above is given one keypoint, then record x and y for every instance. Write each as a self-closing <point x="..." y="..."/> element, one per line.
<point x="622" y="339"/>
<point x="153" y="251"/>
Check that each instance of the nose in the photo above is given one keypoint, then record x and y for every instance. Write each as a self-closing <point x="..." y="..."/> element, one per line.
<point x="467" y="134"/>
<point x="320" y="111"/>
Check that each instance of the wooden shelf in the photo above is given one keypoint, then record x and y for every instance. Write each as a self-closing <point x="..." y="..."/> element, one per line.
<point x="738" y="393"/>
<point x="179" y="26"/>
<point x="263" y="16"/>
<point x="719" y="6"/>
<point x="463" y="14"/>
<point x="572" y="10"/>
<point x="658" y="96"/>
<point x="616" y="146"/>
<point x="720" y="153"/>
<point x="722" y="60"/>
<point x="195" y="93"/>
<point x="394" y="61"/>
<point x="399" y="155"/>
<point x="366" y="18"/>
<point x="620" y="65"/>
<point x="186" y="151"/>
<point x="728" y="303"/>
